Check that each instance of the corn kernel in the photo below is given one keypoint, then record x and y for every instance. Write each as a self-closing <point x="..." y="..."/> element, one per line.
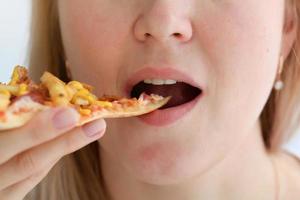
<point x="70" y="92"/>
<point x="84" y="111"/>
<point x="15" y="76"/>
<point x="61" y="101"/>
<point x="84" y="94"/>
<point x="75" y="84"/>
<point x="23" y="89"/>
<point x="4" y="93"/>
<point x="80" y="101"/>
<point x="103" y="104"/>
<point x="90" y="98"/>
<point x="13" y="89"/>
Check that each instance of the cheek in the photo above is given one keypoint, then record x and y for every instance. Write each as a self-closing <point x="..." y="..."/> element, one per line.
<point x="93" y="41"/>
<point x="242" y="60"/>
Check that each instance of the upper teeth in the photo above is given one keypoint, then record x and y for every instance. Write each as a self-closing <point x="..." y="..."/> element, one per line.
<point x="160" y="81"/>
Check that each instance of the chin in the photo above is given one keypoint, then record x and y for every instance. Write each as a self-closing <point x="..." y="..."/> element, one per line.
<point x="165" y="163"/>
<point x="166" y="156"/>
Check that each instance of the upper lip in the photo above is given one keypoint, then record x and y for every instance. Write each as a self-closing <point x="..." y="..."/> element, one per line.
<point x="160" y="73"/>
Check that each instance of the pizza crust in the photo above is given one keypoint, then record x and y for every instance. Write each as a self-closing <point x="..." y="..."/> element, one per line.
<point x="20" y="112"/>
<point x="23" y="110"/>
<point x="137" y="110"/>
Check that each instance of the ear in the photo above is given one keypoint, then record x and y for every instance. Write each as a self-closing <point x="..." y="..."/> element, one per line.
<point x="290" y="28"/>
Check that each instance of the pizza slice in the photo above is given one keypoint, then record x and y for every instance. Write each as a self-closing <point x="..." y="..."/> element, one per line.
<point x="21" y="99"/>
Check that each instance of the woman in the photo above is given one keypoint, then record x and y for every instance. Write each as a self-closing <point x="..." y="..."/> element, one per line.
<point x="224" y="143"/>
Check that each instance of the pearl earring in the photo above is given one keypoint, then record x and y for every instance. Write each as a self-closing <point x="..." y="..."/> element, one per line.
<point x="279" y="83"/>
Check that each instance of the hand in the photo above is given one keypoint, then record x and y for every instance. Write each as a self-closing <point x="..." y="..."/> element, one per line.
<point x="28" y="153"/>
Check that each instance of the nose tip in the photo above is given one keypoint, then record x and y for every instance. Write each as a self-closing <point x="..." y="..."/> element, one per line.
<point x="163" y="28"/>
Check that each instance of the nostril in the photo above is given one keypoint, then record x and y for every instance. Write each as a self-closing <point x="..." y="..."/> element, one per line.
<point x="179" y="36"/>
<point x="147" y="35"/>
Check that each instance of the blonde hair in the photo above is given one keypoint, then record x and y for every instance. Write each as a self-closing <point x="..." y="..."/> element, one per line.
<point x="78" y="175"/>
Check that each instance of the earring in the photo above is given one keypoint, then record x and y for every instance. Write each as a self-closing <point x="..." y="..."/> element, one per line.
<point x="279" y="83"/>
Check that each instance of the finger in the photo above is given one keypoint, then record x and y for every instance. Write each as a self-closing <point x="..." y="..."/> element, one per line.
<point x="43" y="127"/>
<point x="21" y="189"/>
<point x="34" y="160"/>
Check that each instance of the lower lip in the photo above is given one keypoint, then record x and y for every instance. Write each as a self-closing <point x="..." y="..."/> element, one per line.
<point x="169" y="115"/>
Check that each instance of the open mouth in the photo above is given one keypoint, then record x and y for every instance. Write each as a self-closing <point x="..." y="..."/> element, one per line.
<point x="180" y="92"/>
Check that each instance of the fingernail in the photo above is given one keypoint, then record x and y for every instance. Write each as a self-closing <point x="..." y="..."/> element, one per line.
<point x="65" y="118"/>
<point x="94" y="128"/>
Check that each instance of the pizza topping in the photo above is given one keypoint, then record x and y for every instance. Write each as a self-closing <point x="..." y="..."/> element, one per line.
<point x="80" y="101"/>
<point x="23" y="89"/>
<point x="84" y="111"/>
<point x="5" y="93"/>
<point x="4" y="99"/>
<point x="73" y="87"/>
<point x="56" y="87"/>
<point x="20" y="75"/>
<point x="76" y="85"/>
<point x="18" y="86"/>
<point x="37" y="97"/>
<point x="84" y="95"/>
<point x="16" y="90"/>
<point x="181" y="92"/>
<point x="79" y="95"/>
<point x="22" y="92"/>
<point x="103" y="104"/>
<point x="2" y="116"/>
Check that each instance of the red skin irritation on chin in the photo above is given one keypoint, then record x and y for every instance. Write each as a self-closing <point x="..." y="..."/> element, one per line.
<point x="151" y="153"/>
<point x="159" y="157"/>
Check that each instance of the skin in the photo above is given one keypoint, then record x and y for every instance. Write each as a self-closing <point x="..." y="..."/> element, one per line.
<point x="216" y="151"/>
<point x="232" y="47"/>
<point x="38" y="145"/>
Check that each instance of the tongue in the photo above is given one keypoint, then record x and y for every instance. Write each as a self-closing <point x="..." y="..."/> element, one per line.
<point x="180" y="92"/>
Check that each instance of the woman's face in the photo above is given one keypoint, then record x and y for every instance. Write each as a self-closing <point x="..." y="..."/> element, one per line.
<point x="229" y="48"/>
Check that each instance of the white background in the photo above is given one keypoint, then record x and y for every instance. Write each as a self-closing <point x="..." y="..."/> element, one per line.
<point x="14" y="33"/>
